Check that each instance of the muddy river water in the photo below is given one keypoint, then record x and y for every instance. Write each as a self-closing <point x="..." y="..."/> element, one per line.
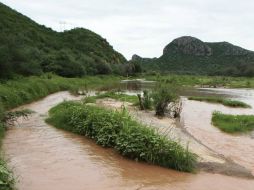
<point x="46" y="158"/>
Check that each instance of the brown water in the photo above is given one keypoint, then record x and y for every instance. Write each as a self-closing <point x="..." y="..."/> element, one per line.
<point x="197" y="117"/>
<point x="45" y="158"/>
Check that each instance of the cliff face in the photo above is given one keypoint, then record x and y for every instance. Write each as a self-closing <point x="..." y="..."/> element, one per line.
<point x="188" y="45"/>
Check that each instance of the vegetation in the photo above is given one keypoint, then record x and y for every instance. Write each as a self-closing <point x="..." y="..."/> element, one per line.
<point x="6" y="177"/>
<point x="233" y="123"/>
<point x="225" y="102"/>
<point x="162" y="96"/>
<point x="201" y="81"/>
<point x="145" y="102"/>
<point x="28" y="48"/>
<point x="119" y="96"/>
<point x="27" y="89"/>
<point x="188" y="55"/>
<point x="119" y="131"/>
<point x="114" y="95"/>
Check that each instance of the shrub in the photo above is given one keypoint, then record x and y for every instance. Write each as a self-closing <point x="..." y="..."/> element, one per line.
<point x="162" y="96"/>
<point x="145" y="102"/>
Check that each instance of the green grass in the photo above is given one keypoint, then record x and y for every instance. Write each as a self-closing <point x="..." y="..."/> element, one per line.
<point x="24" y="90"/>
<point x="114" y="95"/>
<point x="119" y="96"/>
<point x="203" y="81"/>
<point x="233" y="123"/>
<point x="225" y="102"/>
<point x="119" y="131"/>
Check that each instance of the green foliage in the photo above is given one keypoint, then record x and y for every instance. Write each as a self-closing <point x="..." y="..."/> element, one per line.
<point x="185" y="58"/>
<point x="145" y="102"/>
<point x="233" y="123"/>
<point x="203" y="81"/>
<point x="162" y="95"/>
<point x="28" y="48"/>
<point x="119" y="96"/>
<point x="118" y="130"/>
<point x="6" y="177"/>
<point x="24" y="90"/>
<point x="225" y="102"/>
<point x="27" y="89"/>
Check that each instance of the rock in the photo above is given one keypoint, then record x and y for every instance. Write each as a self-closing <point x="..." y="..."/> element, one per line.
<point x="174" y="109"/>
<point x="189" y="46"/>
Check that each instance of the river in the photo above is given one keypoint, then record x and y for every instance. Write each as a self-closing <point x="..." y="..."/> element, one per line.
<point x="46" y="158"/>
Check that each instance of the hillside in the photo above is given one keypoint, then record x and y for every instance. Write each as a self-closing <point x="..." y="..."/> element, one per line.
<point x="189" y="55"/>
<point x="28" y="48"/>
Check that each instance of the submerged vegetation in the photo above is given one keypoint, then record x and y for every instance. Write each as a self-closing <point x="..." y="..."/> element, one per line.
<point x="225" y="102"/>
<point x="119" y="131"/>
<point x="233" y="123"/>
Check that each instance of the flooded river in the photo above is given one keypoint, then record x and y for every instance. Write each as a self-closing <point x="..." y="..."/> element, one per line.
<point x="196" y="117"/>
<point x="46" y="158"/>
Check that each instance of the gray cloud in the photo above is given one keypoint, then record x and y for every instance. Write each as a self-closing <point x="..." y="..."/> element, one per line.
<point x="146" y="26"/>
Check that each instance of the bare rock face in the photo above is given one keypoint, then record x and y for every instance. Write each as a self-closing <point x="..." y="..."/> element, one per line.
<point x="189" y="46"/>
<point x="136" y="57"/>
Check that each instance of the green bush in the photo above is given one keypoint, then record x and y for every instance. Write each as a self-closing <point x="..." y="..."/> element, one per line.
<point x="162" y="96"/>
<point x="118" y="130"/>
<point x="6" y="177"/>
<point x="145" y="102"/>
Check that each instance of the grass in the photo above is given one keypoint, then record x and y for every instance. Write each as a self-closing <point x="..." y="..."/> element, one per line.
<point x="203" y="81"/>
<point x="119" y="131"/>
<point x="24" y="90"/>
<point x="233" y="123"/>
<point x="114" y="95"/>
<point x="225" y="102"/>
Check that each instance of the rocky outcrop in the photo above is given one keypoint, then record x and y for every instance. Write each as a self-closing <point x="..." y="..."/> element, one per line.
<point x="136" y="57"/>
<point x="189" y="46"/>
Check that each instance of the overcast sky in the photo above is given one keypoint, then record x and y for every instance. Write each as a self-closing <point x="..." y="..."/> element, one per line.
<point x="145" y="27"/>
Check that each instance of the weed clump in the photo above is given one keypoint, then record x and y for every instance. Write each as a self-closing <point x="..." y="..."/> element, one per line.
<point x="162" y="96"/>
<point x="119" y="131"/>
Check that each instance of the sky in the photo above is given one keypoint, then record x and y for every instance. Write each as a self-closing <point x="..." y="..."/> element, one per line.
<point x="145" y="27"/>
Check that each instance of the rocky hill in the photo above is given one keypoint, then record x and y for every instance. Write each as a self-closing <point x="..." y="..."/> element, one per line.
<point x="189" y="55"/>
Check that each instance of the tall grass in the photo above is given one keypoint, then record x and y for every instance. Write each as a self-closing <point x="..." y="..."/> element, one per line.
<point x="233" y="123"/>
<point x="17" y="92"/>
<point x="119" y="131"/>
<point x="225" y="102"/>
<point x="114" y="95"/>
<point x="203" y="81"/>
<point x="27" y="89"/>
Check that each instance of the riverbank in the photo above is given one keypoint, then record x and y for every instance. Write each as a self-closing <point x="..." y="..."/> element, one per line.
<point x="203" y="81"/>
<point x="44" y="157"/>
<point x="24" y="90"/>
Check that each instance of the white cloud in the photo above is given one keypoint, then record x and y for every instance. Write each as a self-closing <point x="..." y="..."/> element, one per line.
<point x="144" y="27"/>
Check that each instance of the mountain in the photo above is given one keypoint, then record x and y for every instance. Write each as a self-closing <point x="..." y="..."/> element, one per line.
<point x="28" y="48"/>
<point x="189" y="55"/>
